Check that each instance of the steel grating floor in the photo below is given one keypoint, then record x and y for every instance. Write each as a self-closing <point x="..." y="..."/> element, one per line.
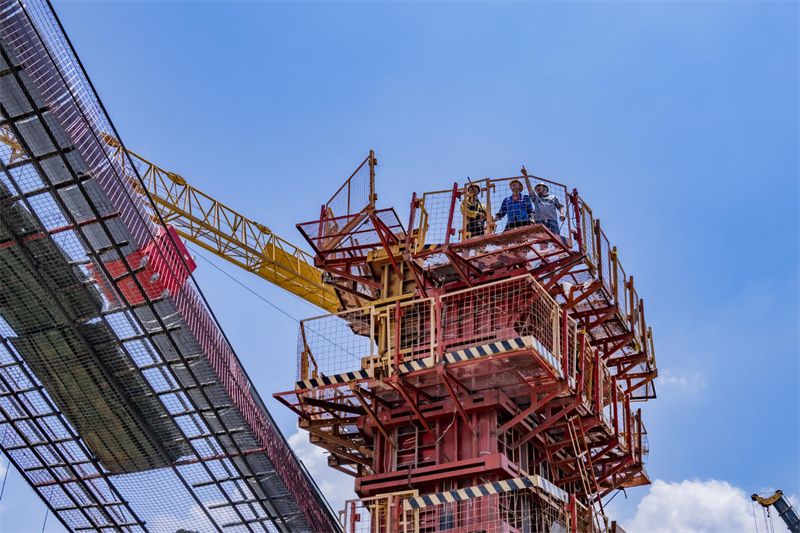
<point x="125" y="410"/>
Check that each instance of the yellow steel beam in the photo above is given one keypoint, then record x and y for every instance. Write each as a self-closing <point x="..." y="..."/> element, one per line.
<point x="219" y="229"/>
<point x="7" y="138"/>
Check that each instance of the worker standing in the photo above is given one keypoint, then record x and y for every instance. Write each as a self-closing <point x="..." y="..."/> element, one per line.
<point x="518" y="207"/>
<point x="547" y="208"/>
<point x="474" y="212"/>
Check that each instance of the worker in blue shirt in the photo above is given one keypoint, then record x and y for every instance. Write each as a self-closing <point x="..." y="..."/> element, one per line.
<point x="518" y="207"/>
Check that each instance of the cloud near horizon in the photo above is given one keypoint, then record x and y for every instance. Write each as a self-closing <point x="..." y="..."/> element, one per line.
<point x="694" y="506"/>
<point x="336" y="486"/>
<point x="688" y="383"/>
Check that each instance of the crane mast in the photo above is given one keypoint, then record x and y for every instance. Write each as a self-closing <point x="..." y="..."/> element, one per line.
<point x="784" y="508"/>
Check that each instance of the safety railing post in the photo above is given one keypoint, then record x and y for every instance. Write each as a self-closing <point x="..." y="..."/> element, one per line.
<point x="565" y="343"/>
<point x="398" y="315"/>
<point x="372" y="196"/>
<point x="438" y="308"/>
<point x="582" y="362"/>
<point x="631" y="305"/>
<point x="629" y="422"/>
<point x="598" y="247"/>
<point x="613" y="264"/>
<point x="410" y="228"/>
<point x="434" y="329"/>
<point x="450" y="229"/>
<point x="573" y="513"/>
<point x="578" y="227"/>
<point x="642" y="326"/>
<point x="489" y="218"/>
<point x="639" y="434"/>
<point x="614" y="403"/>
<point x="598" y="385"/>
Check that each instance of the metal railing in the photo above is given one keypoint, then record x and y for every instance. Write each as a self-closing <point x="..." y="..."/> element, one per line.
<point x="443" y="211"/>
<point x="390" y="335"/>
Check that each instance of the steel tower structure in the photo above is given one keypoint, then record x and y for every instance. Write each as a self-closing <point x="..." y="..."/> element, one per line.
<point x="121" y="401"/>
<point x="473" y="382"/>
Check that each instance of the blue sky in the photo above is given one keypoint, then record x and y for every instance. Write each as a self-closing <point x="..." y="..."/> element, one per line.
<point x="676" y="121"/>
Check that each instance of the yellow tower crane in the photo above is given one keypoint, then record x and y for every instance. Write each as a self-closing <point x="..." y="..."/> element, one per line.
<point x="211" y="225"/>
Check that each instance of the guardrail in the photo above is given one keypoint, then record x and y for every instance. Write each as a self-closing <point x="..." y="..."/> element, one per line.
<point x="439" y="219"/>
<point x="442" y="217"/>
<point x="387" y="336"/>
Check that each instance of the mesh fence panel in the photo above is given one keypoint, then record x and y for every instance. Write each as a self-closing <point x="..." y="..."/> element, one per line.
<point x="587" y="233"/>
<point x="496" y="513"/>
<point x="569" y="345"/>
<point x="623" y="295"/>
<point x="355" y="194"/>
<point x="180" y="331"/>
<point x="499" y="311"/>
<point x="334" y="344"/>
<point x="499" y="190"/>
<point x="605" y="262"/>
<point x="433" y="224"/>
<point x="607" y="398"/>
<point x="437" y="206"/>
<point x="412" y="336"/>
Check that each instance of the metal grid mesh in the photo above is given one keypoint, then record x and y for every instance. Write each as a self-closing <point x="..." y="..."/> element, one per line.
<point x="356" y="194"/>
<point x="621" y="423"/>
<point x="412" y="336"/>
<point x="569" y="345"/>
<point x="499" y="189"/>
<point x="499" y="311"/>
<point x="170" y="330"/>
<point x="437" y="207"/>
<point x="622" y="288"/>
<point x="604" y="261"/>
<point x="589" y="375"/>
<point x="495" y="513"/>
<point x="333" y="344"/>
<point x="608" y="402"/>
<point x="433" y="226"/>
<point x="587" y="233"/>
<point x="349" y="235"/>
<point x="590" y="520"/>
<point x="382" y="513"/>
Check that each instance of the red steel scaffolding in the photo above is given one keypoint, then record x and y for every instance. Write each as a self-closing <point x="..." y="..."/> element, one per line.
<point x="473" y="383"/>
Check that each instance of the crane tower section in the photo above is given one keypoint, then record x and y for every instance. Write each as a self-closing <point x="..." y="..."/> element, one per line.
<point x="121" y="402"/>
<point x="479" y="376"/>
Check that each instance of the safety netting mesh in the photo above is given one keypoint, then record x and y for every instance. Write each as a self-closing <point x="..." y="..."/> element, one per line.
<point x="121" y="401"/>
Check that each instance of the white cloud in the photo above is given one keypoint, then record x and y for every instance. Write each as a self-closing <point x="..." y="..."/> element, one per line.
<point x="688" y="383"/>
<point x="336" y="486"/>
<point x="698" y="507"/>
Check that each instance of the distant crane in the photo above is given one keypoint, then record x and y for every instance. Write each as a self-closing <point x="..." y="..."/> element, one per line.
<point x="785" y="510"/>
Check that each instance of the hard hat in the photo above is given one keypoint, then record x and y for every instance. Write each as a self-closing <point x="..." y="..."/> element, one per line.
<point x="475" y="185"/>
<point x="542" y="184"/>
<point x="512" y="182"/>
